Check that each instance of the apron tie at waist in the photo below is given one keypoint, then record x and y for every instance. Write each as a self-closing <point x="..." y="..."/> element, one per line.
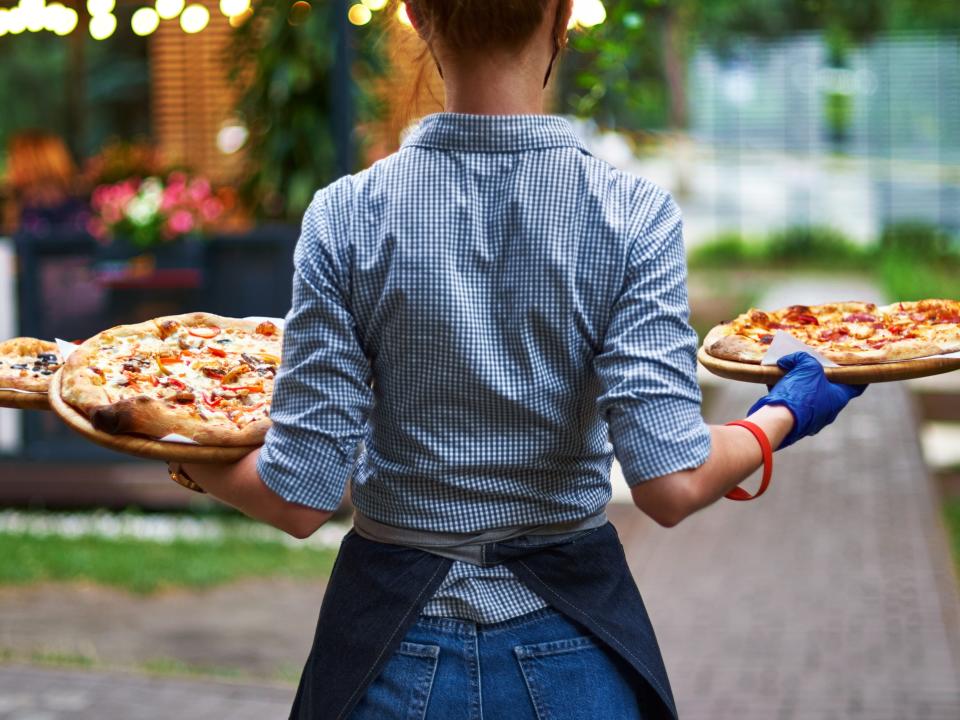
<point x="478" y="548"/>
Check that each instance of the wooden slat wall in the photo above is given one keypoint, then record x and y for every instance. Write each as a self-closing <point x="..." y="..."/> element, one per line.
<point x="191" y="96"/>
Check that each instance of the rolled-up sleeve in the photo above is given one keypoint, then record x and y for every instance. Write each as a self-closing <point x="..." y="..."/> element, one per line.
<point x="322" y="393"/>
<point x="647" y="366"/>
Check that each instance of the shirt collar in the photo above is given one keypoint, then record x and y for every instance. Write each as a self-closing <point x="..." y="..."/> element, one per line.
<point x="493" y="133"/>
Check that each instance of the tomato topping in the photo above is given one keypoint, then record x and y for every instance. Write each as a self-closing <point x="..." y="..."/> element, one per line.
<point x="204" y="332"/>
<point x="216" y="351"/>
<point x="860" y="317"/>
<point x="266" y="328"/>
<point x="211" y="400"/>
<point x="805" y="319"/>
<point x="253" y="388"/>
<point x="835" y="334"/>
<point x="176" y="383"/>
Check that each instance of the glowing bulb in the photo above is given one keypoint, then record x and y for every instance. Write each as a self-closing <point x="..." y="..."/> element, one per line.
<point x="359" y="14"/>
<point x="102" y="26"/>
<point x="231" y="8"/>
<point x="403" y="16"/>
<point x="100" y="7"/>
<point x="144" y="21"/>
<point x="238" y="20"/>
<point x="375" y="4"/>
<point x="33" y="14"/>
<point x="4" y="22"/>
<point x="67" y="21"/>
<point x="51" y="16"/>
<point x="169" y="9"/>
<point x="16" y="22"/>
<point x="194" y="18"/>
<point x="587" y="13"/>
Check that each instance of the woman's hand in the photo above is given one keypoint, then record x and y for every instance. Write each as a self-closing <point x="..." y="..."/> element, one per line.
<point x="813" y="400"/>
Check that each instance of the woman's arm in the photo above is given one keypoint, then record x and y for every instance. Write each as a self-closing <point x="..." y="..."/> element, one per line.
<point x="239" y="485"/>
<point x="802" y="403"/>
<point x="734" y="455"/>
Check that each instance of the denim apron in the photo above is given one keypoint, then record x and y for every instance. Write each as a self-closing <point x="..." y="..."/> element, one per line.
<point x="377" y="590"/>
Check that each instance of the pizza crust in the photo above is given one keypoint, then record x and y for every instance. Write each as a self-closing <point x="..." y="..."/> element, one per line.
<point x="722" y="344"/>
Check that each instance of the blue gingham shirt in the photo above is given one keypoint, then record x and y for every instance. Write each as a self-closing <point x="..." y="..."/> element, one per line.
<point x="480" y="322"/>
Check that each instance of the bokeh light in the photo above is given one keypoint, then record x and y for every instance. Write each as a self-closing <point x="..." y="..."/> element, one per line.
<point x="359" y="14"/>
<point x="144" y="21"/>
<point x="16" y="22"/>
<point x="100" y="7"/>
<point x="238" y="20"/>
<point x="587" y="13"/>
<point x="102" y="26"/>
<point x="67" y="22"/>
<point x="169" y="9"/>
<point x="194" y="18"/>
<point x="375" y="4"/>
<point x="51" y="16"/>
<point x="4" y="23"/>
<point x="32" y="12"/>
<point x="403" y="16"/>
<point x="232" y="8"/>
<point x="299" y="12"/>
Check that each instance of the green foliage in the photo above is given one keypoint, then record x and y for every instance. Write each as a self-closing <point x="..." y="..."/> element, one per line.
<point x="798" y="246"/>
<point x="142" y="566"/>
<point x="614" y="73"/>
<point x="911" y="261"/>
<point x="287" y="102"/>
<point x="951" y="514"/>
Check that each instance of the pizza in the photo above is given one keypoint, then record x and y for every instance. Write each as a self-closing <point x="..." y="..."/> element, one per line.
<point x="28" y="364"/>
<point x="849" y="333"/>
<point x="207" y="377"/>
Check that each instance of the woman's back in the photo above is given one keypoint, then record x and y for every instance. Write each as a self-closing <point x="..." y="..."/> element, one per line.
<point x="480" y="267"/>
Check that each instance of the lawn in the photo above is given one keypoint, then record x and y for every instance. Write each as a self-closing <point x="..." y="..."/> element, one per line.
<point x="140" y="555"/>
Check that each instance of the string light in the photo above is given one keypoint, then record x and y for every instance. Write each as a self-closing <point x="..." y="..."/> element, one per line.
<point x="67" y="21"/>
<point x="232" y="8"/>
<point x="102" y="26"/>
<point x="587" y="13"/>
<point x="299" y="12"/>
<point x="375" y="5"/>
<point x="359" y="14"/>
<point x="51" y="16"/>
<point x="33" y="14"/>
<point x="16" y="22"/>
<point x="194" y="18"/>
<point x="238" y="20"/>
<point x="169" y="9"/>
<point x="144" y="21"/>
<point x="403" y="16"/>
<point x="100" y="7"/>
<point x="4" y="23"/>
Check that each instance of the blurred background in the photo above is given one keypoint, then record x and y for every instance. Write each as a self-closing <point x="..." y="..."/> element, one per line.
<point x="157" y="158"/>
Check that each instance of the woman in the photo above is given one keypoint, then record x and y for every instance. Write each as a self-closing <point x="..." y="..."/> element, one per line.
<point x="484" y="308"/>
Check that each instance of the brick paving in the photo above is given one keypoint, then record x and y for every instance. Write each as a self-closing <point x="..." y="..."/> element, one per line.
<point x="28" y="693"/>
<point x="833" y="597"/>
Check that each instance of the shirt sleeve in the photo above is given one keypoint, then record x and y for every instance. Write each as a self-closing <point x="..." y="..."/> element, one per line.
<point x="647" y="367"/>
<point x="322" y="392"/>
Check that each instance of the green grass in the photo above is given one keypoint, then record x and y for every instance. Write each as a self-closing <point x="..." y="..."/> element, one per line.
<point x="951" y="515"/>
<point x="142" y="566"/>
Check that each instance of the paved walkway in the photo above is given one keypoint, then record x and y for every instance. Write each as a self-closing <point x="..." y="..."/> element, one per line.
<point x="832" y="597"/>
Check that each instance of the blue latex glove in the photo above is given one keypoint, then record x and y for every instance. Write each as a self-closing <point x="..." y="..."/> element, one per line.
<point x="814" y="401"/>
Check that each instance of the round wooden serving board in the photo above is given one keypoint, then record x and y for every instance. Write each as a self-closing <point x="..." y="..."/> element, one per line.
<point x="850" y="374"/>
<point x="142" y="446"/>
<point x="24" y="400"/>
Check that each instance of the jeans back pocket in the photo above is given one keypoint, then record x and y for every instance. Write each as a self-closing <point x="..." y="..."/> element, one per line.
<point x="577" y="679"/>
<point x="402" y="690"/>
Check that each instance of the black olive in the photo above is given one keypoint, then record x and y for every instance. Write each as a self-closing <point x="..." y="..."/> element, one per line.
<point x="223" y="341"/>
<point x="19" y="366"/>
<point x="47" y="358"/>
<point x="46" y="372"/>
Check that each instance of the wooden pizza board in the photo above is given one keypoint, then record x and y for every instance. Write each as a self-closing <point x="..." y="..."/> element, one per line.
<point x="142" y="446"/>
<point x="24" y="400"/>
<point x="850" y="374"/>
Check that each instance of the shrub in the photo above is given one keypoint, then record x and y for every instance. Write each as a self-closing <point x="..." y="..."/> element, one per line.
<point x="814" y="245"/>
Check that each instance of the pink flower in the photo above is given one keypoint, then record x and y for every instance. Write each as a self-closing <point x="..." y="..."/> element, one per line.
<point x="210" y="209"/>
<point x="180" y="222"/>
<point x="199" y="190"/>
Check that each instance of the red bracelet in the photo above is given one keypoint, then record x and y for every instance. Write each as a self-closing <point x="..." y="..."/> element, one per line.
<point x="739" y="493"/>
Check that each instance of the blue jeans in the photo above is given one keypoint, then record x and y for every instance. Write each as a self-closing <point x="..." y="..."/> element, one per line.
<point x="540" y="666"/>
